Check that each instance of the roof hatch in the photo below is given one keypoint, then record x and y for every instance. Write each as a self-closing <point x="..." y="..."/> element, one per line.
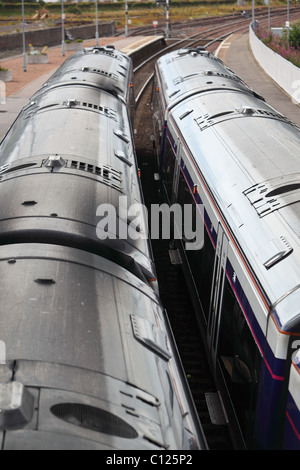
<point x="274" y="251"/>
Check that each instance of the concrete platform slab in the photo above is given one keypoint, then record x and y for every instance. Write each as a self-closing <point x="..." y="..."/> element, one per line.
<point x="236" y="53"/>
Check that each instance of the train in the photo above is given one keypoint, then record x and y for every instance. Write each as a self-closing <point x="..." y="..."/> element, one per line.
<point x="88" y="358"/>
<point x="225" y="152"/>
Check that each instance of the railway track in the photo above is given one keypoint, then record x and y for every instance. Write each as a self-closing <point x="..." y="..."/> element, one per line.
<point x="182" y="28"/>
<point x="173" y="288"/>
<point x="204" y="38"/>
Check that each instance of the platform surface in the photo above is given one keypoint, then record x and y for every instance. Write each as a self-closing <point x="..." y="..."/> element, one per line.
<point x="25" y="84"/>
<point x="235" y="51"/>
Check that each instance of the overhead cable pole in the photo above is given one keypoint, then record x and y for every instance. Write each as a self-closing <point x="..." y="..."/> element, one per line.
<point x="63" y="27"/>
<point x="97" y="27"/>
<point x="23" y="36"/>
<point x="126" y="18"/>
<point x="288" y="21"/>
<point x="167" y="18"/>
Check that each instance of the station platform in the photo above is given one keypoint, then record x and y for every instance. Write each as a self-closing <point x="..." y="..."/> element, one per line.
<point x="25" y="84"/>
<point x="236" y="53"/>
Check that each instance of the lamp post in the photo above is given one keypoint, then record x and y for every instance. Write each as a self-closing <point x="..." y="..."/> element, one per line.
<point x="288" y="21"/>
<point x="23" y="35"/>
<point x="167" y="18"/>
<point x="63" y="27"/>
<point x="97" y="30"/>
<point x="126" y="18"/>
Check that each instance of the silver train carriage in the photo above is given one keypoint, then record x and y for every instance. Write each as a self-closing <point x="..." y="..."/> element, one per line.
<point x="236" y="160"/>
<point x="87" y="355"/>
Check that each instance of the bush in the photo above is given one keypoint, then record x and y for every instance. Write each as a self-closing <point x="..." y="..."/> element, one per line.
<point x="294" y="36"/>
<point x="281" y="46"/>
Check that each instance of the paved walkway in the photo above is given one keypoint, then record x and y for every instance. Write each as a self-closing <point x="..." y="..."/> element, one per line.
<point x="236" y="53"/>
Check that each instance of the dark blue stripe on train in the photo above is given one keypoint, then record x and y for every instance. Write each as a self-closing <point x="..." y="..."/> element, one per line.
<point x="292" y="426"/>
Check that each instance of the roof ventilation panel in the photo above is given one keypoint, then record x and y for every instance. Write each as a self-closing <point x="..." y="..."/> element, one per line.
<point x="16" y="405"/>
<point x="274" y="251"/>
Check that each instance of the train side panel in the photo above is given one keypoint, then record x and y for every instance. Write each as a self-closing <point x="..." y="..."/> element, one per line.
<point x="214" y="154"/>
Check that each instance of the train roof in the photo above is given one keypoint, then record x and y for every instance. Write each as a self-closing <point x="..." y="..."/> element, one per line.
<point x="248" y="155"/>
<point x="95" y="359"/>
<point x="88" y="132"/>
<point x="76" y="123"/>
<point x="188" y="71"/>
<point x="102" y="67"/>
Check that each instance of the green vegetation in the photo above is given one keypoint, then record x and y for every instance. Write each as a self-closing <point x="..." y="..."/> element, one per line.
<point x="288" y="46"/>
<point x="140" y="12"/>
<point x="294" y="36"/>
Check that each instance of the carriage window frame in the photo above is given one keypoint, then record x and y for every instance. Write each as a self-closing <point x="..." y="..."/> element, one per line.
<point x="168" y="172"/>
<point x="240" y="361"/>
<point x="204" y="257"/>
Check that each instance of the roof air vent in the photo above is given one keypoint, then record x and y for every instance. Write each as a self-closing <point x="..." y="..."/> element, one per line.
<point x="247" y="110"/>
<point x="274" y="251"/>
<point x="16" y="405"/>
<point x="71" y="102"/>
<point x="55" y="161"/>
<point x="121" y="135"/>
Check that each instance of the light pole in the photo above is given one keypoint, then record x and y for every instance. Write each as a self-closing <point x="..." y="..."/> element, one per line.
<point x="97" y="31"/>
<point x="126" y="18"/>
<point x="23" y="35"/>
<point x="288" y="21"/>
<point x="167" y="18"/>
<point x="63" y="27"/>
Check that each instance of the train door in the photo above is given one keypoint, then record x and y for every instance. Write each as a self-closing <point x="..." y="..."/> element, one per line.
<point x="217" y="294"/>
<point x="170" y="167"/>
<point x="235" y="357"/>
<point x="176" y="173"/>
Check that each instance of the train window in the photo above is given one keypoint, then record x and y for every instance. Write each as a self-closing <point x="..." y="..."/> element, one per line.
<point x="239" y="359"/>
<point x="201" y="262"/>
<point x="168" y="169"/>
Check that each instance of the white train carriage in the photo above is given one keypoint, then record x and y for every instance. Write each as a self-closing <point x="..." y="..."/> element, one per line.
<point x="221" y="148"/>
